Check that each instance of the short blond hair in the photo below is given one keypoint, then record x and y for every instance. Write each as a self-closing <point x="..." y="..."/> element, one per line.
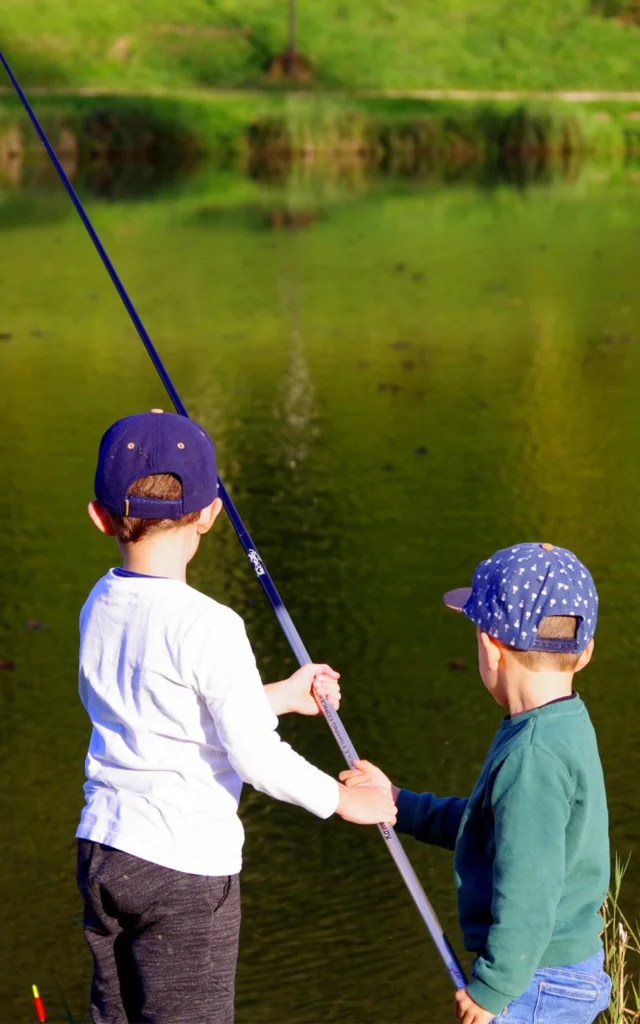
<point x="553" y="627"/>
<point x="163" y="486"/>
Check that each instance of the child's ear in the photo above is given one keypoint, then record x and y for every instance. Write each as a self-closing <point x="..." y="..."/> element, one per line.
<point x="492" y="650"/>
<point x="208" y="516"/>
<point x="585" y="657"/>
<point x="101" y="518"/>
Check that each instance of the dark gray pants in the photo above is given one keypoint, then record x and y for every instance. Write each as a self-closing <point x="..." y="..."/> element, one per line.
<point x="164" y="943"/>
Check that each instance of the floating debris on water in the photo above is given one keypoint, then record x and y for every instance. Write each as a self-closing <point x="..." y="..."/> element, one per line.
<point x="607" y="343"/>
<point x="618" y="339"/>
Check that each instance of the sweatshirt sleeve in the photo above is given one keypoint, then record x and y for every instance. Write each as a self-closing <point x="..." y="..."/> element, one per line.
<point x="530" y="800"/>
<point x="227" y="679"/>
<point x="431" y="819"/>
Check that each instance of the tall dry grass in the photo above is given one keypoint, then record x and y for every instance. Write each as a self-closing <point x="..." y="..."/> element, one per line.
<point x="621" y="955"/>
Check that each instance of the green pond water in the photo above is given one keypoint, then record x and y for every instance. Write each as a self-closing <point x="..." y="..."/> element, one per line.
<point x="413" y="378"/>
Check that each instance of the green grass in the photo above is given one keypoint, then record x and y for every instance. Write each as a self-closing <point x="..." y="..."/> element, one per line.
<point x="352" y="44"/>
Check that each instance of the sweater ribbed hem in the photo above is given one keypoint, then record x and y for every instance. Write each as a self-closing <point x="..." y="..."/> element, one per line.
<point x="557" y="954"/>
<point x="570" y="951"/>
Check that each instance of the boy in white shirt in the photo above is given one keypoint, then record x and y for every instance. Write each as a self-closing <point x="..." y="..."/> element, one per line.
<point x="180" y="720"/>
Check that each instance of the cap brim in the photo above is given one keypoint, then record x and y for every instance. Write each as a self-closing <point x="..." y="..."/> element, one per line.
<point x="457" y="599"/>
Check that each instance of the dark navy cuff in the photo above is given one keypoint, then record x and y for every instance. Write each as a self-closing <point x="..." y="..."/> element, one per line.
<point x="407" y="805"/>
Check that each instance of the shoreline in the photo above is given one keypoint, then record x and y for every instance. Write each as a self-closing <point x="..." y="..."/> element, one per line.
<point x="433" y="95"/>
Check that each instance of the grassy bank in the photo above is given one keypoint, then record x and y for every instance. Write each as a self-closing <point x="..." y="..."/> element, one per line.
<point x="121" y="146"/>
<point x="544" y="44"/>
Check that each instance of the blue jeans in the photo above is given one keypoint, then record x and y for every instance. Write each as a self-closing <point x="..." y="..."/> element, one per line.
<point x="574" y="994"/>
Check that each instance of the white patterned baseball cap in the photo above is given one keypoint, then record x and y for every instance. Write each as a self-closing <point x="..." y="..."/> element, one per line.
<point x="518" y="587"/>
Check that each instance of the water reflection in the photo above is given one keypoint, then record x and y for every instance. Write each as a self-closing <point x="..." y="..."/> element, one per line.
<point x="128" y="151"/>
<point x="414" y="377"/>
<point x="109" y="153"/>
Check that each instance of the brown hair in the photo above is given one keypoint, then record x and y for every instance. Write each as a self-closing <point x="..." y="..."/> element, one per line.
<point x="164" y="486"/>
<point x="553" y="627"/>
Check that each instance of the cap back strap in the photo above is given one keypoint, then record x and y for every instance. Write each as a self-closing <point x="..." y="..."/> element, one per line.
<point x="152" y="508"/>
<point x="560" y="645"/>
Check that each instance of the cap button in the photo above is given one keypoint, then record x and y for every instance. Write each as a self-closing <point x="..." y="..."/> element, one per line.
<point x="547" y="547"/>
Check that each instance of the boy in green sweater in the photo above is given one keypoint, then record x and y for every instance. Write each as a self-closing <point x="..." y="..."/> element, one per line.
<point x="531" y="845"/>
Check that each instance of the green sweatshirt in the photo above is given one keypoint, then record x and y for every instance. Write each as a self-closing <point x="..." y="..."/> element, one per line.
<point x="531" y="849"/>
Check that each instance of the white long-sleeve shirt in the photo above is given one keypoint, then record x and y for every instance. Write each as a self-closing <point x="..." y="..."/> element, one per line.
<point x="180" y="719"/>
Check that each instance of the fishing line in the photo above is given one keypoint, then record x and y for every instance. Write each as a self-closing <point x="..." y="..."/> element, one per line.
<point x="340" y="734"/>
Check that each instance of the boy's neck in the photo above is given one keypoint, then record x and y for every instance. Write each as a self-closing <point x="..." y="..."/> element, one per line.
<point x="163" y="554"/>
<point x="526" y="690"/>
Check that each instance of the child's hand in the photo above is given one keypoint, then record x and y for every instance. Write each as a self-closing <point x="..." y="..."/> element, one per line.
<point x="469" y="1012"/>
<point x="366" y="805"/>
<point x="297" y="692"/>
<point x="364" y="773"/>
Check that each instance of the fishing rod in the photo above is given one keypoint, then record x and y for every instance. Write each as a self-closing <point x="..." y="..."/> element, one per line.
<point x="340" y="734"/>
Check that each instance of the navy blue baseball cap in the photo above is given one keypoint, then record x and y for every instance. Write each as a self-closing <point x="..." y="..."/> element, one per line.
<point x="156" y="442"/>
<point x="518" y="587"/>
